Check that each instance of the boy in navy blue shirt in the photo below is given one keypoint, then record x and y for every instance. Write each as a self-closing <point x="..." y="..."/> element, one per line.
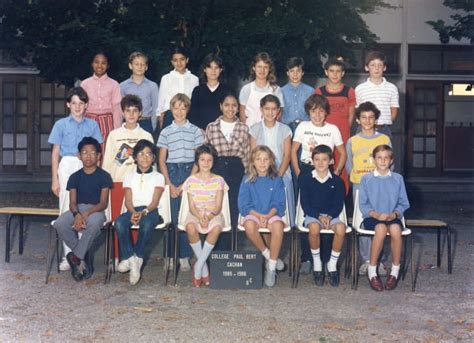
<point x="322" y="200"/>
<point x="89" y="196"/>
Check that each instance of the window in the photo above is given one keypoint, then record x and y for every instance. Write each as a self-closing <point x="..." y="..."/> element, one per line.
<point x="441" y="59"/>
<point x="391" y="51"/>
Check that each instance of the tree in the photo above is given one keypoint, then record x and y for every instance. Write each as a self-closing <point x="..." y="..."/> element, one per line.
<point x="463" y="26"/>
<point x="59" y="37"/>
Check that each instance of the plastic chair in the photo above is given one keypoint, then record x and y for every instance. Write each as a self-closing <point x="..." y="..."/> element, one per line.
<point x="286" y="229"/>
<point x="107" y="226"/>
<point x="183" y="212"/>
<point x="300" y="227"/>
<point x="357" y="220"/>
<point x="164" y="209"/>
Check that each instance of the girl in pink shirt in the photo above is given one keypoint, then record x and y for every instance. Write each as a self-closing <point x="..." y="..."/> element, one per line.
<point x="104" y="96"/>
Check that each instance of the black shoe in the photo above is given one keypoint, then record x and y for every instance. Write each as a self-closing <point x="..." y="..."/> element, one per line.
<point x="75" y="270"/>
<point x="89" y="266"/>
<point x="333" y="278"/>
<point x="318" y="278"/>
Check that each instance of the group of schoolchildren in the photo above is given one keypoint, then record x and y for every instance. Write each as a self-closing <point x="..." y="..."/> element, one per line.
<point x="289" y="147"/>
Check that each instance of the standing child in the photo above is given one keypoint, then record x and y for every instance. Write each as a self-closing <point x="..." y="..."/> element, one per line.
<point x="308" y="135"/>
<point x="89" y="196"/>
<point x="146" y="89"/>
<point x="379" y="91"/>
<point x="277" y="137"/>
<point x="262" y="204"/>
<point x="207" y="97"/>
<point x="143" y="189"/>
<point x="205" y="193"/>
<point x="179" y="80"/>
<point x="383" y="200"/>
<point x="322" y="200"/>
<point x="65" y="136"/>
<point x="295" y="93"/>
<point x="177" y="143"/>
<point x="104" y="96"/>
<point x="262" y="75"/>
<point x="360" y="162"/>
<point x="341" y="102"/>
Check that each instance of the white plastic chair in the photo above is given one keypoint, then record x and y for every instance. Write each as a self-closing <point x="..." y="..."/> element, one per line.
<point x="357" y="220"/>
<point x="183" y="212"/>
<point x="300" y="227"/>
<point x="286" y="229"/>
<point x="164" y="209"/>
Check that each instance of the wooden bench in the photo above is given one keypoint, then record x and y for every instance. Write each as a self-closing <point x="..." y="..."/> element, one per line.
<point x="438" y="225"/>
<point x="21" y="212"/>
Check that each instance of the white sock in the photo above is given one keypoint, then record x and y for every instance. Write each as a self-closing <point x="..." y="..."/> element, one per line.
<point x="317" y="264"/>
<point x="372" y="271"/>
<point x="332" y="264"/>
<point x="272" y="264"/>
<point x="197" y="248"/>
<point x="201" y="262"/>
<point x="266" y="253"/>
<point x="395" y="270"/>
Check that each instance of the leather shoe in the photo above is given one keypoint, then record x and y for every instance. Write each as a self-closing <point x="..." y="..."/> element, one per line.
<point x="376" y="284"/>
<point x="75" y="270"/>
<point x="89" y="266"/>
<point x="333" y="278"/>
<point x="391" y="283"/>
<point x="318" y="278"/>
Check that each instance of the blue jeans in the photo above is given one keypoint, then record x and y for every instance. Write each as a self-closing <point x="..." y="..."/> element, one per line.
<point x="178" y="173"/>
<point x="147" y="225"/>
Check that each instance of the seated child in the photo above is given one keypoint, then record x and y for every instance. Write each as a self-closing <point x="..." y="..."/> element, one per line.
<point x="383" y="200"/>
<point x="88" y="198"/>
<point x="262" y="204"/>
<point x="143" y="189"/>
<point x="322" y="200"/>
<point x="205" y="193"/>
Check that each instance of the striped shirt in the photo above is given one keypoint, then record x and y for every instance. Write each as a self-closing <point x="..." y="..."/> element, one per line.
<point x="384" y="96"/>
<point x="237" y="146"/>
<point x="181" y="141"/>
<point x="203" y="192"/>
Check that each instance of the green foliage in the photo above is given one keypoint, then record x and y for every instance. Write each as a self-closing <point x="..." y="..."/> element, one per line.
<point x="463" y="26"/>
<point x="61" y="36"/>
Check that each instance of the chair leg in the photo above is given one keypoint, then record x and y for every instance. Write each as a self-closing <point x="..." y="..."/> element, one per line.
<point x="21" y="236"/>
<point x="7" y="238"/>
<point x="296" y="264"/>
<point x="412" y="261"/>
<point x="108" y="228"/>
<point x="438" y="247"/>
<point x="450" y="262"/>
<point x="404" y="258"/>
<point x="166" y="236"/>
<point x="355" y="271"/>
<point x="175" y="265"/>
<point x="290" y="267"/>
<point x="50" y="254"/>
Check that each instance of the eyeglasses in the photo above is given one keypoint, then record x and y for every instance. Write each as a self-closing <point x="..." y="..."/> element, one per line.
<point x="145" y="154"/>
<point x="89" y="153"/>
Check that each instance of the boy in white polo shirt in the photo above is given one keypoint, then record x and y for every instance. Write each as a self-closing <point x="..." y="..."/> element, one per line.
<point x="380" y="92"/>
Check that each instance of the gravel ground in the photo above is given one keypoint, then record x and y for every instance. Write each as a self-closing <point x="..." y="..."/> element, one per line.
<point x="441" y="309"/>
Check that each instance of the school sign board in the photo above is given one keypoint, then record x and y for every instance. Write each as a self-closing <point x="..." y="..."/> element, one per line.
<point x="236" y="269"/>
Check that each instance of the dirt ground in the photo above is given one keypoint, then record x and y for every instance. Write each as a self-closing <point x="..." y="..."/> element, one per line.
<point x="441" y="309"/>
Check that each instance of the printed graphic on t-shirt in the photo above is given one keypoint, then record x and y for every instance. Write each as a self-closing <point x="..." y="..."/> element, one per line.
<point x="123" y="154"/>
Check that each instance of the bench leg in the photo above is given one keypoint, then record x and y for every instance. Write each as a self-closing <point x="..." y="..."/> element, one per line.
<point x="438" y="252"/>
<point x="20" y="240"/>
<point x="7" y="238"/>
<point x="450" y="262"/>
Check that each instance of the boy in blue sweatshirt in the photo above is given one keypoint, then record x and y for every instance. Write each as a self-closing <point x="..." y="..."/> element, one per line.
<point x="382" y="201"/>
<point x="322" y="200"/>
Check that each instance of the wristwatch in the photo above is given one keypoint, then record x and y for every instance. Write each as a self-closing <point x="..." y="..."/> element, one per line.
<point x="145" y="211"/>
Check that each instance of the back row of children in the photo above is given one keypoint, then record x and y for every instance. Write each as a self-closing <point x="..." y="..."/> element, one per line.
<point x="230" y="137"/>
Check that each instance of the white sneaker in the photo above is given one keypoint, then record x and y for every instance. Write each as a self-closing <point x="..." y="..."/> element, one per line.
<point x="184" y="265"/>
<point x="168" y="264"/>
<point x="124" y="265"/>
<point x="381" y="270"/>
<point x="280" y="265"/>
<point x="64" y="265"/>
<point x="135" y="267"/>
<point x="270" y="277"/>
<point x="363" y="268"/>
<point x="306" y="268"/>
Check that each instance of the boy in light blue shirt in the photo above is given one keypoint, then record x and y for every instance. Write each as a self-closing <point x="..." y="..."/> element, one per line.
<point x="295" y="94"/>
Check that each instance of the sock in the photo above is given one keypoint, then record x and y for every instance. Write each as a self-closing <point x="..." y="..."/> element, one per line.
<point x="197" y="248"/>
<point x="395" y="270"/>
<point x="372" y="271"/>
<point x="201" y="262"/>
<point x="317" y="264"/>
<point x="266" y="253"/>
<point x="272" y="265"/>
<point x="74" y="259"/>
<point x="332" y="264"/>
